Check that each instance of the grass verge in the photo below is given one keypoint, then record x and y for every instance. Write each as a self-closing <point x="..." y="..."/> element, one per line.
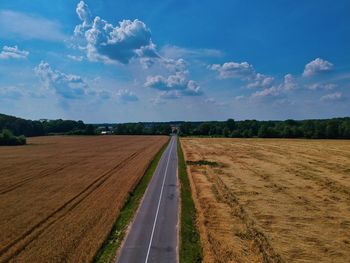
<point x="190" y="246"/>
<point x="109" y="248"/>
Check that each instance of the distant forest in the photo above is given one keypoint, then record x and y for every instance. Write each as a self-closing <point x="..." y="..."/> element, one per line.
<point x="19" y="126"/>
<point x="336" y="128"/>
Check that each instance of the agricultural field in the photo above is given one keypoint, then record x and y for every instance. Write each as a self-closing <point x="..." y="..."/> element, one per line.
<point x="271" y="200"/>
<point x="59" y="196"/>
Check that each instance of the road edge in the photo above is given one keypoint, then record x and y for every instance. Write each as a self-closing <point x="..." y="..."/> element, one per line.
<point x="116" y="236"/>
<point x="190" y="248"/>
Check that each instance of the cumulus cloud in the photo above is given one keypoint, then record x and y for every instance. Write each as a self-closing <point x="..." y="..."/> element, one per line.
<point x="227" y="70"/>
<point x="272" y="91"/>
<point x="13" y="52"/>
<point x="84" y="15"/>
<point x="174" y="86"/>
<point x="175" y="65"/>
<point x="173" y="82"/>
<point x="317" y="66"/>
<point x="288" y="84"/>
<point x="125" y="95"/>
<point x="66" y="85"/>
<point x="109" y="44"/>
<point x="260" y="81"/>
<point x="16" y="24"/>
<point x="336" y="96"/>
<point x="244" y="72"/>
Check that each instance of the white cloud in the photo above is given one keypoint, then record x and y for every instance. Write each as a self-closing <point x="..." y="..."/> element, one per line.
<point x="336" y="96"/>
<point x="179" y="65"/>
<point x="66" y="85"/>
<point x="173" y="82"/>
<point x="240" y="97"/>
<point x="213" y="101"/>
<point x="110" y="44"/>
<point x="244" y="72"/>
<point x="75" y="58"/>
<point x="174" y="86"/>
<point x="260" y="81"/>
<point x="16" y="24"/>
<point x="176" y="52"/>
<point x="125" y="95"/>
<point x="287" y="85"/>
<point x="13" y="52"/>
<point x="227" y="70"/>
<point x="84" y="15"/>
<point x="317" y="66"/>
<point x="271" y="92"/>
<point x="170" y="94"/>
<point x="157" y="101"/>
<point x="322" y="86"/>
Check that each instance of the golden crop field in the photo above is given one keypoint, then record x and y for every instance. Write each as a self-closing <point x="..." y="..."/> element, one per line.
<point x="271" y="200"/>
<point x="59" y="196"/>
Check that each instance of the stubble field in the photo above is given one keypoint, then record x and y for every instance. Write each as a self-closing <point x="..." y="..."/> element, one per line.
<point x="59" y="196"/>
<point x="267" y="200"/>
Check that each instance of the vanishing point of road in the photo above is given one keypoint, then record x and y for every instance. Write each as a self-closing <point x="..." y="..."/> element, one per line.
<point x="153" y="235"/>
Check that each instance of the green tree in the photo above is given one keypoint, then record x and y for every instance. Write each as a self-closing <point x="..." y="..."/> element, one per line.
<point x="231" y="124"/>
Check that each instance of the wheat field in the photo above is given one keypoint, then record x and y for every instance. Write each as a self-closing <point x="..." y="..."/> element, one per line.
<point x="59" y="196"/>
<point x="271" y="200"/>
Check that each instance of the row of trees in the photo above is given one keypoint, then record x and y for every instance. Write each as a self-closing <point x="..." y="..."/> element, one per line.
<point x="142" y="129"/>
<point x="337" y="128"/>
<point x="7" y="138"/>
<point x="29" y="128"/>
<point x="24" y="127"/>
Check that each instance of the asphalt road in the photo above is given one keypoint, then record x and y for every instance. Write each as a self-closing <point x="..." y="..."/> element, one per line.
<point x="153" y="236"/>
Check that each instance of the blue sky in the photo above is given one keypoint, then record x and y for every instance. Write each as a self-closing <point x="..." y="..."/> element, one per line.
<point x="113" y="61"/>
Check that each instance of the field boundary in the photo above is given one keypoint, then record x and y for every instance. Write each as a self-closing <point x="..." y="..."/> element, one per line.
<point x="110" y="246"/>
<point x="190" y="249"/>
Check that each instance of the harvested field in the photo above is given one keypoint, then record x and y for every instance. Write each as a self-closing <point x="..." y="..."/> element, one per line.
<point x="271" y="200"/>
<point x="59" y="196"/>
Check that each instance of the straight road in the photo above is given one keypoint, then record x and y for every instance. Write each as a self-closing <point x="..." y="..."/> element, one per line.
<point x="153" y="236"/>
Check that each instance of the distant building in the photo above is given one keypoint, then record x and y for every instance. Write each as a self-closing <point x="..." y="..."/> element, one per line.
<point x="106" y="132"/>
<point x="175" y="128"/>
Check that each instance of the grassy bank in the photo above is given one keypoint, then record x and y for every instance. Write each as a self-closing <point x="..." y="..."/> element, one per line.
<point x="190" y="247"/>
<point x="109" y="248"/>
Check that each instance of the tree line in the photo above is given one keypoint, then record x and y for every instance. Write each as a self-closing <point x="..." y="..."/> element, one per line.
<point x="142" y="129"/>
<point x="29" y="128"/>
<point x="19" y="126"/>
<point x="336" y="128"/>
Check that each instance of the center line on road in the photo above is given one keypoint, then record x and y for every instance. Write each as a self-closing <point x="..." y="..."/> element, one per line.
<point x="160" y="198"/>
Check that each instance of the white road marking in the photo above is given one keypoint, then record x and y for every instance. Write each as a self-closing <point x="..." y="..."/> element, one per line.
<point x="160" y="199"/>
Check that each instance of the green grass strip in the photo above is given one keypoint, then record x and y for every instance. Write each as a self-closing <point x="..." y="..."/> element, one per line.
<point x="190" y="246"/>
<point x="109" y="248"/>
